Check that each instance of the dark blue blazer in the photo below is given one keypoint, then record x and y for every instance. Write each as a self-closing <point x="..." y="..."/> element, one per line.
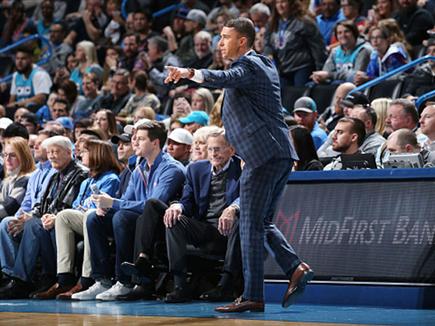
<point x="252" y="109"/>
<point x="196" y="191"/>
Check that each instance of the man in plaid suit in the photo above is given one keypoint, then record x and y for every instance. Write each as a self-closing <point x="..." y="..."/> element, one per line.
<point x="252" y="116"/>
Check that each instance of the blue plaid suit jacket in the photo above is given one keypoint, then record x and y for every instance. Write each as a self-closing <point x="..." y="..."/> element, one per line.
<point x="252" y="109"/>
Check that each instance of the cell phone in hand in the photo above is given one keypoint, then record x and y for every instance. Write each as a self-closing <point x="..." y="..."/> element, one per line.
<point x="95" y="190"/>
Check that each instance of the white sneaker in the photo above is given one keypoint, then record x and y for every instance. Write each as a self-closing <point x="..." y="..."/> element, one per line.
<point x="90" y="293"/>
<point x="112" y="293"/>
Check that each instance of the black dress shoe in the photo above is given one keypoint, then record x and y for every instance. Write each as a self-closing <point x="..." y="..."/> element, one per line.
<point x="142" y="266"/>
<point x="217" y="294"/>
<point x="179" y="295"/>
<point x="139" y="293"/>
<point x="15" y="289"/>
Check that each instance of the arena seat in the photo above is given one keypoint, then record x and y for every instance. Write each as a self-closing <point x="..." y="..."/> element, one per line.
<point x="388" y="88"/>
<point x="290" y="95"/>
<point x="322" y="95"/>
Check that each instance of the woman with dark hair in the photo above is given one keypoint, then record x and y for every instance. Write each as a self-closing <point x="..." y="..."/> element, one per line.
<point x="294" y="41"/>
<point x="352" y="55"/>
<point x="105" y="121"/>
<point x="104" y="169"/>
<point x="304" y="145"/>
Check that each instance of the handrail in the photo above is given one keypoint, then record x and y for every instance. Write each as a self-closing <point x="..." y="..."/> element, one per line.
<point x="155" y="15"/>
<point x="392" y="73"/>
<point x="424" y="97"/>
<point x="46" y="57"/>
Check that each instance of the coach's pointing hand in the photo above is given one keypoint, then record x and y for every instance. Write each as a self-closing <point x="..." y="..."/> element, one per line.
<point x="176" y="73"/>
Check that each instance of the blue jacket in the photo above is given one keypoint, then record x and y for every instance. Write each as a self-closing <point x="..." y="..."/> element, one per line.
<point x="164" y="182"/>
<point x="252" y="109"/>
<point x="196" y="190"/>
<point x="107" y="182"/>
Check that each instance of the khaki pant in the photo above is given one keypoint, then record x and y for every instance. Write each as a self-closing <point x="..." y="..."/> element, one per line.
<point x="68" y="222"/>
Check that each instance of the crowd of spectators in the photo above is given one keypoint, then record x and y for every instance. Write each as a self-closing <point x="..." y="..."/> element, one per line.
<point x="94" y="142"/>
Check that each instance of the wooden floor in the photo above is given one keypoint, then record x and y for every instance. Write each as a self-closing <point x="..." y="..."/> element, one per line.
<point x="42" y="319"/>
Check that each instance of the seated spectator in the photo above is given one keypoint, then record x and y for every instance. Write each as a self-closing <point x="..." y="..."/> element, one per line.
<point x="386" y="56"/>
<point x="380" y="105"/>
<point x="422" y="79"/>
<point x="203" y="51"/>
<point x="59" y="109"/>
<point x="11" y="227"/>
<point x="126" y="158"/>
<point x="16" y="23"/>
<point x="202" y="100"/>
<point x="91" y="98"/>
<point x="144" y="112"/>
<point x="44" y="23"/>
<point x="427" y="126"/>
<point x="19" y="113"/>
<point x="194" y="121"/>
<point x="159" y="177"/>
<point x="330" y="15"/>
<point x="382" y="9"/>
<point x="259" y="14"/>
<point x="402" y="114"/>
<point x="130" y="50"/>
<point x="60" y="7"/>
<point x="294" y="42"/>
<point x="59" y="194"/>
<point x="142" y="21"/>
<point x="206" y="217"/>
<point x="328" y="119"/>
<point x="105" y="121"/>
<point x="179" y="145"/>
<point x="103" y="167"/>
<point x="199" y="144"/>
<point x="349" y="135"/>
<point x="113" y="30"/>
<point x="86" y="55"/>
<point x="30" y="121"/>
<point x="67" y="90"/>
<point x="18" y="164"/>
<point x="352" y="12"/>
<point x="30" y="83"/>
<point x="141" y="97"/>
<point x="414" y="22"/>
<point x="305" y="114"/>
<point x="373" y="139"/>
<point x="80" y="126"/>
<point x="304" y="146"/>
<point x="90" y="24"/>
<point x="352" y="55"/>
<point x="195" y="22"/>
<point x="119" y="92"/>
<point x="403" y="141"/>
<point x="154" y="63"/>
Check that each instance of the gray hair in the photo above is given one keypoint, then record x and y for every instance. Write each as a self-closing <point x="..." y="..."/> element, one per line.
<point x="260" y="8"/>
<point x="202" y="133"/>
<point x="60" y="141"/>
<point x="218" y="133"/>
<point x="203" y="35"/>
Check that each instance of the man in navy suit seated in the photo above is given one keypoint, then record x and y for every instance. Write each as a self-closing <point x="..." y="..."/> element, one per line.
<point x="205" y="217"/>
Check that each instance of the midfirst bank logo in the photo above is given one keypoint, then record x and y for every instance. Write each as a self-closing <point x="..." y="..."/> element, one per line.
<point x="348" y="230"/>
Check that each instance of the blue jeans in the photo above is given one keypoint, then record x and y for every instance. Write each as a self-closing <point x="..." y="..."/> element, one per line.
<point x="121" y="225"/>
<point x="8" y="246"/>
<point x="35" y="241"/>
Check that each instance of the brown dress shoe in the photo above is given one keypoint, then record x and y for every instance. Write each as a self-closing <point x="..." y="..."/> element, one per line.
<point x="67" y="295"/>
<point x="296" y="286"/>
<point x="241" y="305"/>
<point x="52" y="292"/>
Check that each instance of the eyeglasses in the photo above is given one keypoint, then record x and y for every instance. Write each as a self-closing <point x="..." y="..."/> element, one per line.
<point x="9" y="155"/>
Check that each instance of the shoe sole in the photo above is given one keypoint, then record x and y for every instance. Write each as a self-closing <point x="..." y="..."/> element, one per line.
<point x="308" y="276"/>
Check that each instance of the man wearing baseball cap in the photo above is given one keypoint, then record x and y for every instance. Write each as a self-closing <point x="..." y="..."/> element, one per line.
<point x="179" y="145"/>
<point x="305" y="113"/>
<point x="194" y="121"/>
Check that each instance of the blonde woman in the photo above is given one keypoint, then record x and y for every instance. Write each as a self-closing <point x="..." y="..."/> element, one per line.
<point x="86" y="56"/>
<point x="202" y="100"/>
<point x="380" y="105"/>
<point x="17" y="164"/>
